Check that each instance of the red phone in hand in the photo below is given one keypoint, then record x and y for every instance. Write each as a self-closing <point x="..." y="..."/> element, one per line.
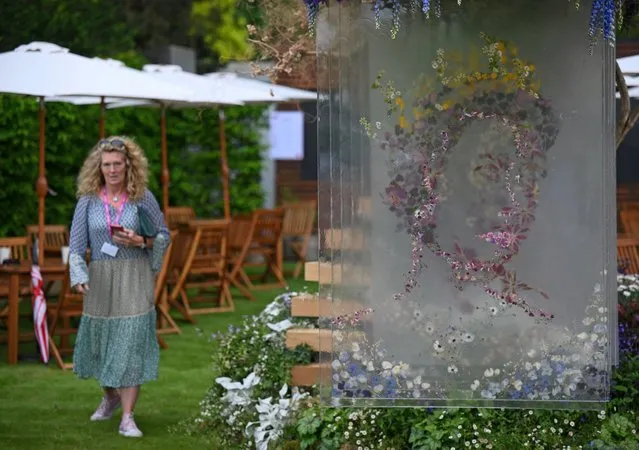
<point x="117" y="228"/>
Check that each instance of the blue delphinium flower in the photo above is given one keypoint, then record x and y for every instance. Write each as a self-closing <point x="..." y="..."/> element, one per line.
<point x="426" y="7"/>
<point x="602" y="15"/>
<point x="312" y="8"/>
<point x="628" y="340"/>
<point x="602" y="19"/>
<point x="354" y="369"/>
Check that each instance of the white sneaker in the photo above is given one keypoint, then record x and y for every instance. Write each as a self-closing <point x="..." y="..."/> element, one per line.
<point x="128" y="428"/>
<point x="106" y="409"/>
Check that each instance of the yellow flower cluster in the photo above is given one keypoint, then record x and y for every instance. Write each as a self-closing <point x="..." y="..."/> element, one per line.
<point x="506" y="73"/>
<point x="464" y="78"/>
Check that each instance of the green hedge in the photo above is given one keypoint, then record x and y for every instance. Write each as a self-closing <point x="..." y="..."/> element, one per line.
<point x="193" y="143"/>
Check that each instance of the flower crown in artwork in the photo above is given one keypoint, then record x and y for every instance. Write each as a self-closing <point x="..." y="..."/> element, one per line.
<point x="506" y="94"/>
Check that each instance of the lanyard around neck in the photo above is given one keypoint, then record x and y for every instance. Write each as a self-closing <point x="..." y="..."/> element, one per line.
<point x="118" y="215"/>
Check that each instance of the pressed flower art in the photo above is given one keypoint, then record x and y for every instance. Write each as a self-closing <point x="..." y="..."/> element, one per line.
<point x="472" y="159"/>
<point x="506" y="94"/>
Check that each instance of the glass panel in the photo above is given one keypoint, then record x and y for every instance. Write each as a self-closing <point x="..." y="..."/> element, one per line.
<point x="329" y="181"/>
<point x="470" y="183"/>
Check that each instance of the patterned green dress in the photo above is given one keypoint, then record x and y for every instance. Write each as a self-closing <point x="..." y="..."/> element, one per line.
<point x="116" y="341"/>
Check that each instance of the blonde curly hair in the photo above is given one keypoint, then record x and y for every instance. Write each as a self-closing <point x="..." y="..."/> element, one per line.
<point x="91" y="181"/>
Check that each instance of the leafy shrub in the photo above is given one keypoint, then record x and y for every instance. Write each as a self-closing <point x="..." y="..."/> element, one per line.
<point x="250" y="402"/>
<point x="71" y="131"/>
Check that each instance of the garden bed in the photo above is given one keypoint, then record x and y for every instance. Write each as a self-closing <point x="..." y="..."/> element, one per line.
<point x="251" y="404"/>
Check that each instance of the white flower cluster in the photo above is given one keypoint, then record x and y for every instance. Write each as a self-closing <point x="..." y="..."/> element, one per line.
<point x="475" y="437"/>
<point x="628" y="285"/>
<point x="273" y="417"/>
<point x="361" y="430"/>
<point x="543" y="436"/>
<point x="259" y="420"/>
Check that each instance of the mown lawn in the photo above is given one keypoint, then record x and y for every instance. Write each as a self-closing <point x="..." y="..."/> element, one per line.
<point x="46" y="408"/>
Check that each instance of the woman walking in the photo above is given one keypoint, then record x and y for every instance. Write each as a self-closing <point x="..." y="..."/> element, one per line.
<point x="114" y="216"/>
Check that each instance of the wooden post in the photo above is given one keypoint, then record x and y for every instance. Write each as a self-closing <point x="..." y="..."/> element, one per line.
<point x="166" y="175"/>
<point x="102" y="107"/>
<point x="225" y="168"/>
<point x="42" y="187"/>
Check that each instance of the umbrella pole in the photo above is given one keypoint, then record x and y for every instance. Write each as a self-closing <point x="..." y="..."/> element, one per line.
<point x="166" y="176"/>
<point x="102" y="117"/>
<point x="225" y="168"/>
<point x="41" y="187"/>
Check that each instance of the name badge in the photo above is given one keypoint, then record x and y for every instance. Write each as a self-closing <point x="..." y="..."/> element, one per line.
<point x="109" y="249"/>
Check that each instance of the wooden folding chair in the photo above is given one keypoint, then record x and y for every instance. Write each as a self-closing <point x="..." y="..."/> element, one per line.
<point x="239" y="234"/>
<point x="629" y="217"/>
<point x="628" y="254"/>
<point x="55" y="237"/>
<point x="64" y="320"/>
<point x="179" y="254"/>
<point x="20" y="250"/>
<point x="165" y="322"/>
<point x="204" y="270"/>
<point x="299" y="219"/>
<point x="262" y="241"/>
<point x="178" y="215"/>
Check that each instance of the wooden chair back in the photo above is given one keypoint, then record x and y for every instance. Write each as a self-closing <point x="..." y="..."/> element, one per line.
<point x="179" y="215"/>
<point x="262" y="240"/>
<point x="628" y="254"/>
<point x="239" y="232"/>
<point x="628" y="193"/>
<point x="299" y="222"/>
<point x="629" y="218"/>
<point x="210" y="251"/>
<point x="267" y="228"/>
<point x="19" y="248"/>
<point x="299" y="219"/>
<point x="204" y="269"/>
<point x="55" y="236"/>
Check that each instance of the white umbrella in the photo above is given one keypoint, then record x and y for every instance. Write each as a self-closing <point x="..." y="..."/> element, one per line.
<point x="633" y="87"/>
<point x="220" y="89"/>
<point x="42" y="69"/>
<point x="632" y="92"/>
<point x="274" y="90"/>
<point x="629" y="64"/>
<point x="83" y="100"/>
<point x="206" y="93"/>
<point x="202" y="93"/>
<point x="631" y="81"/>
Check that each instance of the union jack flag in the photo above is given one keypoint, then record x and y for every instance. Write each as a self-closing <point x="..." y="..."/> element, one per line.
<point x="40" y="313"/>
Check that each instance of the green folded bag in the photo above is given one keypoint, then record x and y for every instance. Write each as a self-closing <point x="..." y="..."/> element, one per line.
<point x="147" y="227"/>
